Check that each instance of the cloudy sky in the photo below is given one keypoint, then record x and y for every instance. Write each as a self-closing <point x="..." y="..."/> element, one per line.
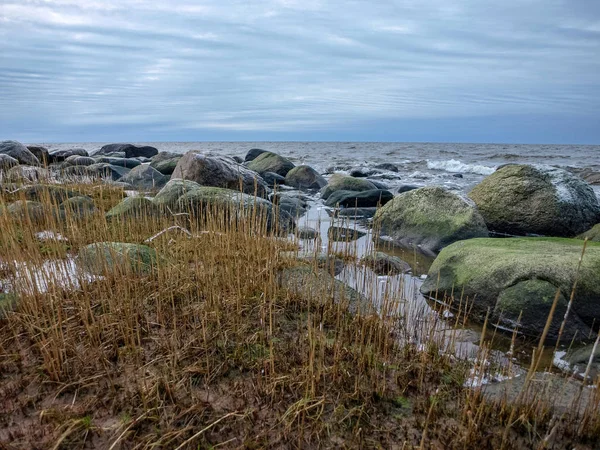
<point x="412" y="70"/>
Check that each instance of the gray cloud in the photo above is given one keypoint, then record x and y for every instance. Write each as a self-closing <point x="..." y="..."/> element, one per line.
<point x="190" y="68"/>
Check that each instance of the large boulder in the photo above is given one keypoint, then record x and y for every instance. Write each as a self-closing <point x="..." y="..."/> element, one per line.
<point x="128" y="163"/>
<point x="364" y="199"/>
<point x="77" y="160"/>
<point x="61" y="155"/>
<point x="521" y="274"/>
<point x="41" y="153"/>
<point x="165" y="162"/>
<point x="271" y="162"/>
<point x="130" y="150"/>
<point x="105" y="171"/>
<point x="27" y="210"/>
<point x="19" y="152"/>
<point x="339" y="182"/>
<point x="219" y="171"/>
<point x="173" y="190"/>
<point x="103" y="257"/>
<point x="230" y="203"/>
<point x="305" y="177"/>
<point x="431" y="218"/>
<point x="254" y="153"/>
<point x="46" y="193"/>
<point x="78" y="207"/>
<point x="541" y="200"/>
<point x="145" y="177"/>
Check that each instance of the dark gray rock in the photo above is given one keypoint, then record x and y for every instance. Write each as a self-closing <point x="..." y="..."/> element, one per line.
<point x="364" y="199"/>
<point x="19" y="152"/>
<point x="406" y="188"/>
<point x="254" y="153"/>
<point x="41" y="153"/>
<point x="146" y="178"/>
<point x="387" y="166"/>
<point x="130" y="150"/>
<point x="128" y="163"/>
<point x="384" y="264"/>
<point x="76" y="160"/>
<point x="273" y="179"/>
<point x="7" y="162"/>
<point x="61" y="155"/>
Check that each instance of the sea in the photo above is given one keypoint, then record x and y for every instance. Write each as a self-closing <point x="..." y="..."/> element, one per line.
<point x="456" y="166"/>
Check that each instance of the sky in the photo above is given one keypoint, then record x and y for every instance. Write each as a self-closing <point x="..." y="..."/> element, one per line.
<point x="517" y="71"/>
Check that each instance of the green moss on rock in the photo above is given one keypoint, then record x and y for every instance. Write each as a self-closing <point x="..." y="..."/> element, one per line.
<point x="101" y="257"/>
<point x="339" y="182"/>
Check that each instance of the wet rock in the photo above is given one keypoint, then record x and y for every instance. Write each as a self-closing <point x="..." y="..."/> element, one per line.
<point x="457" y="175"/>
<point x="344" y="234"/>
<point x="19" y="152"/>
<point x="146" y="178"/>
<point x="380" y="185"/>
<point x="384" y="264"/>
<point x="430" y="218"/>
<point x="588" y="174"/>
<point x="339" y="182"/>
<point x="365" y="213"/>
<point x="387" y="166"/>
<point x="364" y="199"/>
<point x="513" y="274"/>
<point x="254" y="153"/>
<point x="542" y="200"/>
<point x="294" y="206"/>
<point x="220" y="172"/>
<point x="305" y="177"/>
<point x="131" y="151"/>
<point x="362" y="172"/>
<point x="271" y="162"/>
<point x="103" y="257"/>
<point x="406" y="188"/>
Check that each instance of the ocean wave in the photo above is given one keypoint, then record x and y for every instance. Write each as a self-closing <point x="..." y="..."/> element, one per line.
<point x="454" y="166"/>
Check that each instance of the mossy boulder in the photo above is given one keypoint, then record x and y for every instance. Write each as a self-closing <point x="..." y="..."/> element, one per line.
<point x="165" y="166"/>
<point x="593" y="234"/>
<point x="534" y="199"/>
<point x="254" y="153"/>
<point x="221" y="172"/>
<point x="521" y="274"/>
<point x="430" y="218"/>
<point x="305" y="177"/>
<point x="134" y="208"/>
<point x="364" y="199"/>
<point x="271" y="162"/>
<point x="103" y="257"/>
<point x="205" y="201"/>
<point x="175" y="188"/>
<point x="78" y="207"/>
<point x="339" y="182"/>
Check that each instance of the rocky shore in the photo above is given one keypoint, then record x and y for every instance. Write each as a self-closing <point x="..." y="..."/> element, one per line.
<point x="508" y="248"/>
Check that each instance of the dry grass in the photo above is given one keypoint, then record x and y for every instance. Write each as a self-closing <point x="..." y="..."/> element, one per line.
<point x="211" y="350"/>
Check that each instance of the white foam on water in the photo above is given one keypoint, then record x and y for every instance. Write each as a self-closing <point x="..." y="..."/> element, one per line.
<point x="455" y="166"/>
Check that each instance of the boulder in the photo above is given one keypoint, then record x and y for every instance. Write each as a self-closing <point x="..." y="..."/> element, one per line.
<point x="510" y="275"/>
<point x="130" y="150"/>
<point x="165" y="162"/>
<point x="133" y="208"/>
<point x="540" y="200"/>
<point x="387" y="166"/>
<point x="106" y="171"/>
<point x="232" y="203"/>
<point x="384" y="264"/>
<point x="145" y="177"/>
<point x="271" y="162"/>
<point x="431" y="218"/>
<point x="76" y="160"/>
<point x="364" y="199"/>
<point x="254" y="153"/>
<point x="339" y="182"/>
<point x="128" y="163"/>
<point x="7" y="162"/>
<point x="218" y="171"/>
<point x="175" y="188"/>
<point x="305" y="177"/>
<point x="103" y="257"/>
<point x="19" y="152"/>
<point x="356" y="213"/>
<point x="406" y="188"/>
<point x="46" y="193"/>
<point x="272" y="179"/>
<point x="41" y="153"/>
<point x="593" y="234"/>
<point x="27" y="173"/>
<point x="295" y="206"/>
<point x="24" y="210"/>
<point x="62" y="155"/>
